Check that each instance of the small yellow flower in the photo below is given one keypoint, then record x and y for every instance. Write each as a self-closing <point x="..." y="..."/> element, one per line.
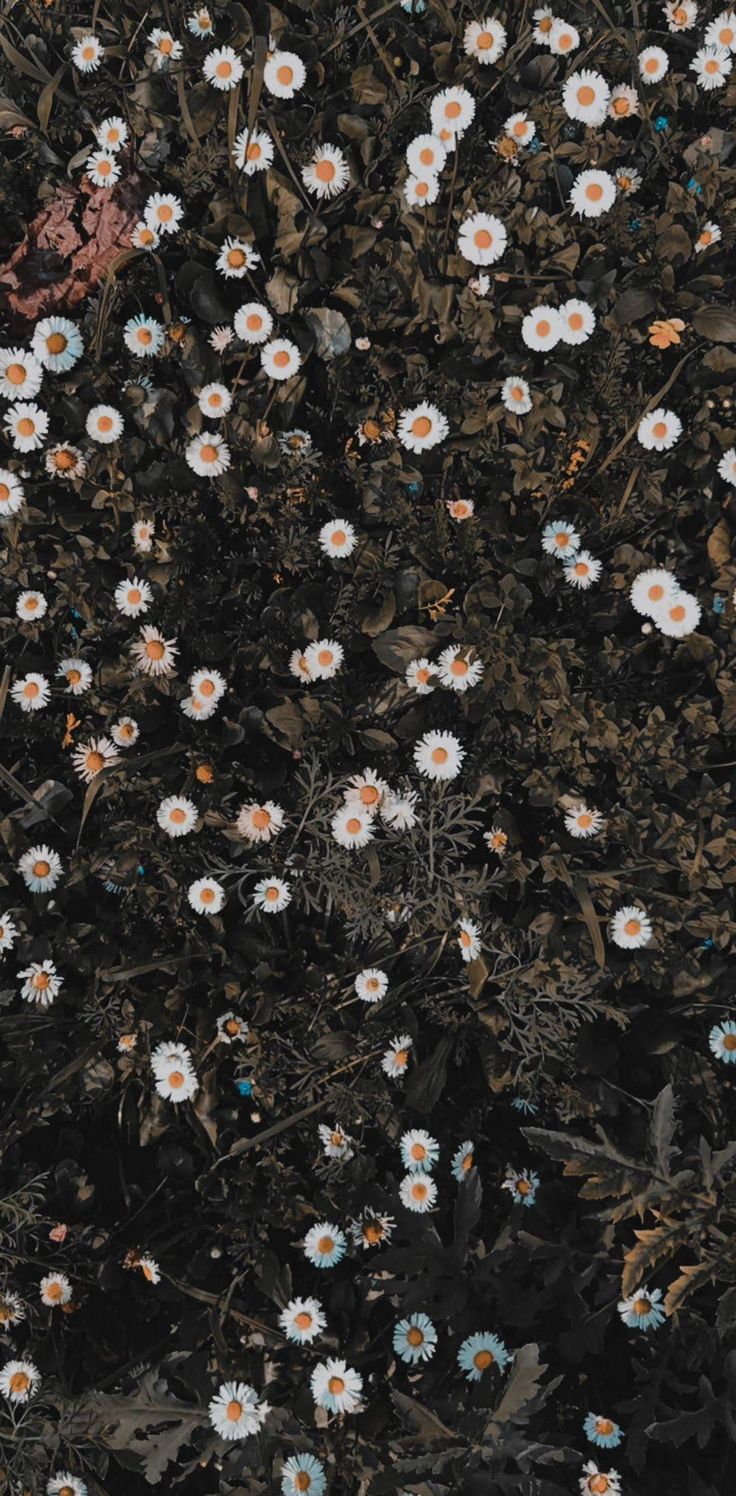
<point x="665" y="333"/>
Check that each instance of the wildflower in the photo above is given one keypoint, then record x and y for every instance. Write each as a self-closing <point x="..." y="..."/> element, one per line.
<point x="9" y="933"/>
<point x="280" y="359"/>
<point x="482" y="239"/>
<point x="112" y="134"/>
<point x="425" y="155"/>
<point x="419" y="1151"/>
<point x="299" y="665"/>
<point x="302" y="1475"/>
<point x="302" y="1320"/>
<point x="104" y="424"/>
<point x="327" y="173"/>
<point x="352" y="827"/>
<point x="631" y="927"/>
<point x="271" y="895"/>
<point x="206" y="896"/>
<point x="515" y="395"/>
<point x="132" y="598"/>
<point x="125" y="732"/>
<point x="711" y="66"/>
<point x="223" y="68"/>
<point x="102" y="168"/>
<point x="709" y="235"/>
<point x="582" y="822"/>
<point x="593" y="193"/>
<point x="469" y="939"/>
<point x="679" y="616"/>
<point x="200" y="23"/>
<point x="438" y="755"/>
<point x="209" y="684"/>
<point x="176" y="815"/>
<point x="336" y="1386"/>
<point x="541" y="329"/>
<point x="595" y="1482"/>
<point x="722" y="1041"/>
<point x="586" y="97"/>
<point x="260" y="822"/>
<point x="214" y="400"/>
<point x="544" y="19"/>
<point x="456" y="671"/>
<point x="522" y="1186"/>
<point x="19" y="1380"/>
<point x="451" y="112"/>
<point x="144" y="336"/>
<point x="485" y="40"/>
<point x="421" y="676"/>
<point x="221" y="339"/>
<point x="163" y="212"/>
<point x="40" y="868"/>
<point x="64" y="461"/>
<point x="398" y="811"/>
<point x="582" y="570"/>
<point x="577" y="321"/>
<point x="463" y="1161"/>
<point x="496" y="840"/>
<point x="174" y="1073"/>
<point x="624" y="102"/>
<point x="208" y="455"/>
<point x="415" y="1339"/>
<point x="418" y="1192"/>
<point x="324" y="659"/>
<point x="31" y="606"/>
<point x="165" y="49"/>
<point x="479" y="1353"/>
<point x="41" y="983"/>
<point x="680" y="15"/>
<point x="664" y="334"/>
<point x="144" y="237"/>
<point x="92" y="757"/>
<point x="563" y="39"/>
<point x="395" y="1062"/>
<point x="235" y="1412"/>
<point x="338" y="539"/>
<point x="371" y="984"/>
<point x="627" y="180"/>
<point x="11" y="494"/>
<point x="460" y="509"/>
<point x="253" y="152"/>
<point x="659" y="430"/>
<point x="65" y="1484"/>
<point x="26" y="425"/>
<point x="325" y="1245"/>
<point x="520" y="128"/>
<point x="143" y="532"/>
<point x="651" y="590"/>
<point x="55" y="1290"/>
<point x="20" y="374"/>
<point x="77" y="674"/>
<point x="371" y="1229"/>
<point x="602" y="1431"/>
<point x="31" y="692"/>
<point x="87" y="54"/>
<point x="284" y="74"/>
<point x="420" y="191"/>
<point x="722" y="31"/>
<point x="653" y="64"/>
<point x="643" y="1310"/>
<point x="150" y="1269"/>
<point x="231" y="1028"/>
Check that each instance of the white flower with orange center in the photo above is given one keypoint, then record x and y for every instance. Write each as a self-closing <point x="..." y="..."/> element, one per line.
<point x="516" y="395"/>
<point x="302" y="1475"/>
<point x="235" y="1412"/>
<point x="711" y="66"/>
<point x="595" y="1482"/>
<point x="90" y="758"/>
<point x="336" y="1386"/>
<point x="420" y="191"/>
<point x="582" y="570"/>
<point x="422" y="427"/>
<point x="209" y="684"/>
<point x="26" y="425"/>
<point x="543" y="19"/>
<point x="87" y="54"/>
<point x="271" y="895"/>
<point x="260" y="820"/>
<point x="352" y="827"/>
<point x="680" y="15"/>
<point x="253" y="151"/>
<point x="102" y="168"/>
<point x="143" y="533"/>
<point x="418" y="1192"/>
<point x="57" y="344"/>
<point x="299" y="665"/>
<point x="253" y="323"/>
<point x="125" y="732"/>
<point x="104" y="424"/>
<point x="540" y="329"/>
<point x="12" y="495"/>
<point x="425" y="155"/>
<point x="144" y="336"/>
<point x="208" y="455"/>
<point x="31" y="606"/>
<point x="421" y="676"/>
<point x="366" y="791"/>
<point x="41" y="983"/>
<point x="469" y="939"/>
<point x="284" y="74"/>
<point x="324" y="659"/>
<point x="9" y="933"/>
<point x="200" y="23"/>
<point x="133" y="597"/>
<point x="460" y="509"/>
<point x="419" y="1151"/>
<point x="586" y="96"/>
<point x="325" y="1244"/>
<point x="485" y="40"/>
<point x="177" y="815"/>
<point x="303" y="1320"/>
<point x="451" y="112"/>
<point x="482" y="239"/>
<point x="223" y="68"/>
<point x="652" y="590"/>
<point x="31" y="692"/>
<point x="592" y="193"/>
<point x="371" y="984"/>
<point x="112" y="134"/>
<point x="55" y="1290"/>
<point x="463" y="1160"/>
<point x="163" y="212"/>
<point x="65" y="1484"/>
<point x="12" y="1310"/>
<point x="560" y="539"/>
<point x="395" y="1062"/>
<point x="280" y="359"/>
<point x="679" y="616"/>
<point x="631" y="927"/>
<point x="236" y="258"/>
<point x="582" y="822"/>
<point x="174" y="1073"/>
<point x="438" y="755"/>
<point x="457" y="670"/>
<point x="520" y="128"/>
<point x="144" y="237"/>
<point x="327" y="173"/>
<point x="722" y="31"/>
<point x="624" y="102"/>
<point x="40" y="868"/>
<point x="150" y="1269"/>
<point x="709" y="235"/>
<point x="19" y="1380"/>
<point x="577" y="321"/>
<point x="214" y="400"/>
<point x="21" y="374"/>
<point x="164" y="48"/>
<point x="659" y="430"/>
<point x="653" y="64"/>
<point x="335" y="1142"/>
<point x="337" y="539"/>
<point x="64" y="461"/>
<point x="206" y="896"/>
<point x="152" y="653"/>
<point x="563" y="39"/>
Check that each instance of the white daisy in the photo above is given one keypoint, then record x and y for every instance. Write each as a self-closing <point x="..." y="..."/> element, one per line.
<point x="40" y="868"/>
<point x="102" y="168"/>
<point x="55" y="1290"/>
<point x="65" y="1484"/>
<point x="90" y="758"/>
<point x="419" y="1151"/>
<point x="41" y="983"/>
<point x="144" y="336"/>
<point x="680" y="15"/>
<point x="143" y="237"/>
<point x="235" y="1412"/>
<point x="421" y="676"/>
<point x="19" y="1380"/>
<point x="438" y="755"/>
<point x="456" y="671"/>
<point x="577" y="321"/>
<point x="206" y="896"/>
<point x="631" y="927"/>
<point x="253" y="322"/>
<point x="325" y="1245"/>
<point x="209" y="684"/>
<point x="469" y="939"/>
<point x="335" y="1142"/>
<point x="722" y="31"/>
<point x="271" y="895"/>
<point x="418" y="1192"/>
<point x="485" y="40"/>
<point x="231" y="1029"/>
<point x="336" y="1386"/>
<point x="653" y="64"/>
<point x="544" y="20"/>
<point x="327" y="173"/>
<point x="260" y="821"/>
<point x="520" y="128"/>
<point x="399" y="811"/>
<point x="425" y="155"/>
<point x="104" y="424"/>
<point x="624" y="102"/>
<point x="302" y="1320"/>
<point x="651" y="590"/>
<point x="352" y="827"/>
<point x="87" y="54"/>
<point x="208" y="455"/>
<point x="299" y="665"/>
<point x="31" y="692"/>
<point x="133" y="597"/>
<point x="592" y="193"/>
<point x="563" y="39"/>
<point x="371" y="984"/>
<point x="223" y="68"/>
<point x="163" y="212"/>
<point x="586" y="97"/>
<point x="112" y="134"/>
<point x="214" y="400"/>
<point x="284" y="74"/>
<point x="451" y="112"/>
<point x="338" y="538"/>
<point x="200" y="23"/>
<point x="164" y="47"/>
<point x="582" y="822"/>
<point x="176" y="815"/>
<point x="20" y="374"/>
<point x="64" y="461"/>
<point x="324" y="658"/>
<point x="482" y="239"/>
<point x="541" y="329"/>
<point x="711" y="66"/>
<point x="709" y="235"/>
<point x="11" y="494"/>
<point x="125" y="732"/>
<point x="174" y="1073"/>
<point x="395" y="1061"/>
<point x="236" y="258"/>
<point x="582" y="570"/>
<point x="31" y="606"/>
<point x="516" y="395"/>
<point x="280" y="359"/>
<point x="659" y="430"/>
<point x="152" y="653"/>
<point x="679" y="616"/>
<point x="57" y="344"/>
<point x="253" y="152"/>
<point x="143" y="531"/>
<point x="421" y="191"/>
<point x="9" y="933"/>
<point x="421" y="427"/>
<point x="26" y="424"/>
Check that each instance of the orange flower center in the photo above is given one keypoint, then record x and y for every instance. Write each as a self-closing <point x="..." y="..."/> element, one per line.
<point x="155" y="649"/>
<point x="401" y="1058"/>
<point x="586" y="95"/>
<point x="165" y="212"/>
<point x="677" y="614"/>
<point x="30" y="690"/>
<point x="285" y="75"/>
<point x="421" y="189"/>
<point x="253" y="152"/>
<point x="41" y="980"/>
<point x="725" y="36"/>
<point x="439" y="755"/>
<point x="467" y="1163"/>
<point x="208" y="453"/>
<point x="523" y="1187"/>
<point x="19" y="1382"/>
<point x="104" y="423"/>
<point x="421" y="426"/>
<point x="598" y="1484"/>
<point x="272" y="893"/>
<point x="543" y="328"/>
<point x="482" y="1360"/>
<point x="325" y="657"/>
<point x="64" y="459"/>
<point x="418" y="1151"/>
<point x="594" y="191"/>
<point x="325" y="171"/>
<point x="651" y="65"/>
<point x="712" y="66"/>
<point x="585" y="820"/>
<point x="632" y="927"/>
<point x="303" y="1321"/>
<point x="302" y="1481"/>
<point x="659" y="429"/>
<point x="483" y="239"/>
<point x="223" y="69"/>
<point x="74" y="677"/>
<point x="415" y="1336"/>
<point x="234" y="1411"/>
<point x="603" y="1426"/>
<point x="95" y="761"/>
<point x="146" y="236"/>
<point x="338" y="537"/>
<point x="54" y="1292"/>
<point x="353" y="825"/>
<point x="336" y="1385"/>
<point x="41" y="869"/>
<point x="26" y="426"/>
<point x="369" y="794"/>
<point x="4" y="493"/>
<point x="103" y="168"/>
<point x="459" y="667"/>
<point x="452" y="110"/>
<point x="166" y="46"/>
<point x="281" y="358"/>
<point x="575" y="321"/>
<point x="426" y="156"/>
<point x="178" y="816"/>
<point x="655" y="593"/>
<point x="729" y="1041"/>
<point x="15" y="373"/>
<point x="419" y="1191"/>
<point x="620" y="107"/>
<point x="207" y="895"/>
<point x="134" y="596"/>
<point x="520" y="128"/>
<point x="642" y="1306"/>
<point x="484" y="41"/>
<point x="261" y="819"/>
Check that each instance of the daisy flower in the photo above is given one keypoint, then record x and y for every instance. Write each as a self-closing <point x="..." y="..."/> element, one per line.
<point x="627" y="181"/>
<point x="438" y="755"/>
<point x="143" y="532"/>
<point x="395" y="1062"/>
<point x="592" y="193"/>
<point x="284" y="74"/>
<point x="200" y="23"/>
<point x="563" y="39"/>
<point x="595" y="1482"/>
<point x="366" y="790"/>
<point x="11" y="494"/>
<point x="163" y="212"/>
<point x="582" y="570"/>
<point x="259" y="821"/>
<point x="722" y="1041"/>
<point x="352" y="827"/>
<point x="586" y="96"/>
<point x="31" y="692"/>
<point x="55" y="1290"/>
<point x="482" y="239"/>
<point x="102" y="168"/>
<point x="223" y="68"/>
<point x="20" y="374"/>
<point x="64" y="461"/>
<point x="631" y="927"/>
<point x="624" y="102"/>
<point x="659" y="430"/>
<point x="214" y="400"/>
<point x="643" y="1310"/>
<point x="206" y="896"/>
<point x="87" y="54"/>
<point x="577" y="321"/>
<point x="41" y="983"/>
<point x="209" y="684"/>
<point x="425" y="155"/>
<point x="336" y="1386"/>
<point x="485" y="40"/>
<point x="302" y="1320"/>
<point x="253" y="153"/>
<point x="31" y="606"/>
<point x="253" y="323"/>
<point x="456" y="671"/>
<point x="418" y="1192"/>
<point x="26" y="424"/>
<point x="653" y="64"/>
<point x="371" y="984"/>
<point x="324" y="659"/>
<point x="144" y="237"/>
<point x="602" y="1431"/>
<point x="709" y="235"/>
<point x="422" y="427"/>
<point x="680" y="15"/>
<point x="711" y="66"/>
<point x="299" y="665"/>
<point x="65" y="1484"/>
<point x="164" y="47"/>
<point x="57" y="344"/>
<point x="104" y="424"/>
<point x="419" y="1151"/>
<point x="727" y="466"/>
<point x="9" y="933"/>
<point x="451" y="112"/>
<point x="235" y="1412"/>
<point x="208" y="455"/>
<point x="133" y="597"/>
<point x="371" y="1229"/>
<point x="12" y="1310"/>
<point x="152" y="653"/>
<point x="327" y="173"/>
<point x="521" y="1186"/>
<point x="112" y="134"/>
<point x="480" y="1352"/>
<point x="280" y="359"/>
<point x="19" y="1380"/>
<point x="335" y="1143"/>
<point x="40" y="868"/>
<point x="520" y="128"/>
<point x="90" y="758"/>
<point x="582" y="822"/>
<point x="236" y="258"/>
<point x="399" y="811"/>
<point x="271" y="895"/>
<point x="722" y="31"/>
<point x="150" y="1269"/>
<point x="176" y="815"/>
<point x="544" y="19"/>
<point x="302" y="1475"/>
<point x="230" y="1028"/>
<point x="221" y="339"/>
<point x="421" y="191"/>
<point x="415" y="1339"/>
<point x="144" y="336"/>
<point x="679" y="616"/>
<point x="174" y="1073"/>
<point x="338" y="539"/>
<point x="421" y="676"/>
<point x="516" y="396"/>
<point x="125" y="732"/>
<point x="652" y="590"/>
<point x="463" y="1161"/>
<point x="469" y="939"/>
<point x="325" y="1245"/>
<point x="541" y="329"/>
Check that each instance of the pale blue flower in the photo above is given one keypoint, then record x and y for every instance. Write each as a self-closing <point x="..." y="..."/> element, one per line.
<point x="415" y="1338"/>
<point x="419" y="1151"/>
<point x="722" y="1040"/>
<point x="479" y="1353"/>
<point x="643" y="1310"/>
<point x="522" y="1186"/>
<point x="303" y="1475"/>
<point x="602" y="1431"/>
<point x="462" y="1161"/>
